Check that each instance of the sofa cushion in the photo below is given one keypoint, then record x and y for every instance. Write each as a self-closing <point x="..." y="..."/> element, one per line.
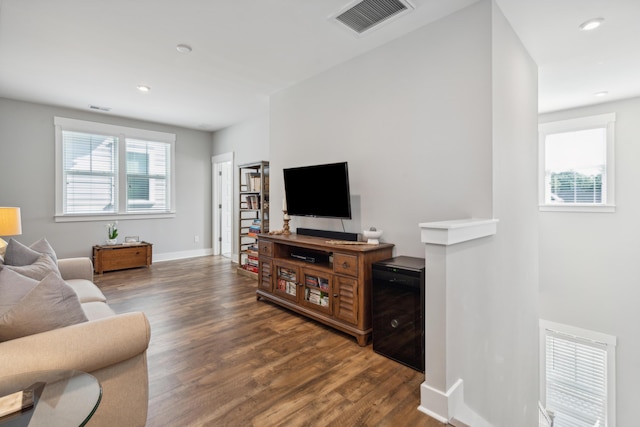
<point x="86" y="290"/>
<point x="51" y="304"/>
<point x="97" y="310"/>
<point x="38" y="270"/>
<point x="13" y="287"/>
<point x="18" y="254"/>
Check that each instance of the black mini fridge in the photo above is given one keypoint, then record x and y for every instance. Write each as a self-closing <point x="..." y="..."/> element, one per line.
<point x="398" y="310"/>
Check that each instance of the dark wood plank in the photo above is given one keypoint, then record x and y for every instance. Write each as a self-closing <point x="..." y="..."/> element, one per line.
<point x="219" y="357"/>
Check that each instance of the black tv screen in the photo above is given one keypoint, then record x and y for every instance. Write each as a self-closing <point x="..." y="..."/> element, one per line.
<point x="318" y="191"/>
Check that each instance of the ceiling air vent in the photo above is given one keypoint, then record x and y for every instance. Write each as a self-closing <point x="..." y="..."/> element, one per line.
<point x="97" y="107"/>
<point x="367" y="14"/>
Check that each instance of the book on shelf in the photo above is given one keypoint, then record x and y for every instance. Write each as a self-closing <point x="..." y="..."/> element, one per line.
<point x="291" y="288"/>
<point x="254" y="183"/>
<point x="252" y="201"/>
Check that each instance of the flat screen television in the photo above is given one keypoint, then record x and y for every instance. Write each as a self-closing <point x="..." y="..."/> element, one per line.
<point x="318" y="191"/>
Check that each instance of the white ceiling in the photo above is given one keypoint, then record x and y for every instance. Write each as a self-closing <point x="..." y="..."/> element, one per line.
<point x="76" y="53"/>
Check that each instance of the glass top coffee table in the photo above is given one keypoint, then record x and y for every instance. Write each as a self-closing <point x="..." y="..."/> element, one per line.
<point x="62" y="398"/>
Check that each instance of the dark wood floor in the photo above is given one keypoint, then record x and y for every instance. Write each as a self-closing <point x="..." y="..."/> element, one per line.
<point x="219" y="357"/>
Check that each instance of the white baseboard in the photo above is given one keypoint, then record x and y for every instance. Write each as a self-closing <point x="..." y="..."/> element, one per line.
<point x="449" y="407"/>
<point x="465" y="417"/>
<point x="170" y="256"/>
<point x="439" y="405"/>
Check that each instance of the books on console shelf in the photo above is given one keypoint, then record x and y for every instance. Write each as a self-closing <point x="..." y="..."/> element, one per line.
<point x="287" y="274"/>
<point x="318" y="282"/>
<point x="317" y="297"/>
<point x="286" y="286"/>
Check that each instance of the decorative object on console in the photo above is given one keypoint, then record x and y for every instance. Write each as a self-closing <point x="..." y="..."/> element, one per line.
<point x="112" y="233"/>
<point x="285" y="226"/>
<point x="10" y="225"/>
<point x="372" y="235"/>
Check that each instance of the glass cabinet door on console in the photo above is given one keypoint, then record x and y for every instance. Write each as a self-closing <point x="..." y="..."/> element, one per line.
<point x="286" y="280"/>
<point x="317" y="288"/>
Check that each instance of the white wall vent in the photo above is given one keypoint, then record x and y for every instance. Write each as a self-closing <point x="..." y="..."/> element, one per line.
<point x="364" y="15"/>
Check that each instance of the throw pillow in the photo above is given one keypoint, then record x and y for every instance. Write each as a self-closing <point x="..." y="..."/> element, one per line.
<point x="52" y="304"/>
<point x="13" y="287"/>
<point x="38" y="270"/>
<point x="19" y="254"/>
<point x="44" y="247"/>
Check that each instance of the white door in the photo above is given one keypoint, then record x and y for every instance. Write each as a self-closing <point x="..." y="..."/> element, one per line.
<point x="222" y="204"/>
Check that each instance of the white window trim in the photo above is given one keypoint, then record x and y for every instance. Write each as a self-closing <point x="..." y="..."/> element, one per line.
<point x="62" y="123"/>
<point x="581" y="123"/>
<point x="609" y="340"/>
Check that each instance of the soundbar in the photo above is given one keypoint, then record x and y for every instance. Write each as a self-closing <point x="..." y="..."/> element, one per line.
<point x="328" y="234"/>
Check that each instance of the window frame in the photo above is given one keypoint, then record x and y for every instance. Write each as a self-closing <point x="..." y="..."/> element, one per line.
<point x="572" y="125"/>
<point x="579" y="334"/>
<point x="123" y="133"/>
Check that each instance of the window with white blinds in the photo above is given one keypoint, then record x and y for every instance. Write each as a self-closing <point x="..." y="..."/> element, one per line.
<point x="90" y="173"/>
<point x="578" y="375"/>
<point x="106" y="170"/>
<point x="147" y="176"/>
<point x="577" y="163"/>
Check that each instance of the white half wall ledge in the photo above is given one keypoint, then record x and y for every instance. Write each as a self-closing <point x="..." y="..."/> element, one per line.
<point x="455" y="231"/>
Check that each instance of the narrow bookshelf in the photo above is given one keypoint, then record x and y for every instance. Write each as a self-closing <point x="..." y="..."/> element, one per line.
<point x="253" y="214"/>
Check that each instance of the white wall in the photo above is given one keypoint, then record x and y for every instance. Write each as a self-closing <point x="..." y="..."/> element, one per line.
<point x="412" y="118"/>
<point x="589" y="264"/>
<point x="440" y="124"/>
<point x="27" y="180"/>
<point x="249" y="142"/>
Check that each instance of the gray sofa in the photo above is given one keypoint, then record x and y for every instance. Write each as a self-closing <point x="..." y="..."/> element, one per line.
<point x="110" y="346"/>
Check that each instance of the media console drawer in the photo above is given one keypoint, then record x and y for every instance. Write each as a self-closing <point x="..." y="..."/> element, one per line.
<point x="120" y="257"/>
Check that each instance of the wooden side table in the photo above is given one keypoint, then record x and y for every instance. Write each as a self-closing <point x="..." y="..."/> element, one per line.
<point x="122" y="256"/>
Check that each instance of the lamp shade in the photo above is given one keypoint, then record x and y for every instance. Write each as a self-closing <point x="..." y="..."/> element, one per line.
<point x="10" y="224"/>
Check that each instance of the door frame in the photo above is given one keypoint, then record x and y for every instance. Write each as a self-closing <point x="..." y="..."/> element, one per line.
<point x="216" y="199"/>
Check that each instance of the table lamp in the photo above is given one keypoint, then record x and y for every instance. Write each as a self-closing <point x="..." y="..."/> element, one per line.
<point x="10" y="225"/>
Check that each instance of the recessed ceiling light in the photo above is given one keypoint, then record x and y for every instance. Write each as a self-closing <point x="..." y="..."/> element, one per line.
<point x="144" y="88"/>
<point x="591" y="24"/>
<point x="602" y="93"/>
<point x="184" y="48"/>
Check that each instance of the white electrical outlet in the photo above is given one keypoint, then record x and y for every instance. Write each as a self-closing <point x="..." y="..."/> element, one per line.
<point x="196" y="239"/>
